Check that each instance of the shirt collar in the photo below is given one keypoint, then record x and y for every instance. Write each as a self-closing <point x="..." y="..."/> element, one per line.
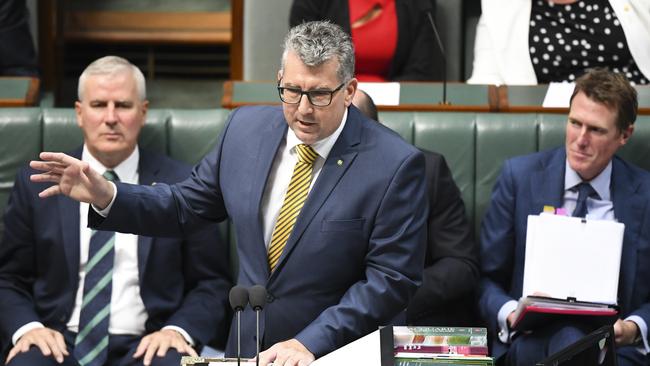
<point x="600" y="183"/>
<point x="127" y="170"/>
<point x="322" y="147"/>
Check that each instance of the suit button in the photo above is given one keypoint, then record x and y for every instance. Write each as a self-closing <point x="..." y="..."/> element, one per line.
<point x="269" y="298"/>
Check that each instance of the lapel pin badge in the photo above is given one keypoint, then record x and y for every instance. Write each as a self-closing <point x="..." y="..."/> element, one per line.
<point x="339" y="162"/>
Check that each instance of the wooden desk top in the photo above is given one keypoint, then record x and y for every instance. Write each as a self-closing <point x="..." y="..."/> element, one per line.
<point x="18" y="91"/>
<point x="427" y="96"/>
<point x="414" y="96"/>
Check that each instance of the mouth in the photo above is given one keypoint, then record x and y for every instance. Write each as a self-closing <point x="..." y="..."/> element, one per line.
<point x="580" y="154"/>
<point x="305" y="123"/>
<point x="112" y="135"/>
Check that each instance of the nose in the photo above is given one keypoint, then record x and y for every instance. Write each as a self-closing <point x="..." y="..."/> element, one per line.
<point x="111" y="115"/>
<point x="305" y="107"/>
<point x="583" y="137"/>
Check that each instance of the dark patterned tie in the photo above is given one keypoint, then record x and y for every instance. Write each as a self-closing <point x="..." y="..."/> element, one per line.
<point x="91" y="344"/>
<point x="585" y="190"/>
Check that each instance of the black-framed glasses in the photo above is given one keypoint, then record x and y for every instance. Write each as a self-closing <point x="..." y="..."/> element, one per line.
<point x="317" y="97"/>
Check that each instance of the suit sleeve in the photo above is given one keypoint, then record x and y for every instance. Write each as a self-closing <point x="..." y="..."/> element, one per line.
<point x="418" y="63"/>
<point x="394" y="262"/>
<point x="172" y="211"/>
<point x="17" y="264"/>
<point x="452" y="272"/>
<point x="497" y="247"/>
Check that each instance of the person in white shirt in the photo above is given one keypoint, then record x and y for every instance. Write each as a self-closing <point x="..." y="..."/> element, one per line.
<point x="157" y="299"/>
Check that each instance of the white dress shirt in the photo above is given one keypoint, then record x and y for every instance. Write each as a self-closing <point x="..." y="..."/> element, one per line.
<point x="128" y="313"/>
<point x="601" y="208"/>
<point x="282" y="170"/>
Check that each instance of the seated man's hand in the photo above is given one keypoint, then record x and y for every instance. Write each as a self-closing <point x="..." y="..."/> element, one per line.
<point x="157" y="343"/>
<point x="287" y="353"/>
<point x="625" y="332"/>
<point x="49" y="341"/>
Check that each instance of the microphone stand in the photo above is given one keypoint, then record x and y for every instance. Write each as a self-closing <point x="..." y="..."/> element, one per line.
<point x="444" y="58"/>
<point x="257" y="297"/>
<point x="238" y="299"/>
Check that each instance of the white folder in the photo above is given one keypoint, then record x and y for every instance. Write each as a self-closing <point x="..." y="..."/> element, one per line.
<point x="569" y="257"/>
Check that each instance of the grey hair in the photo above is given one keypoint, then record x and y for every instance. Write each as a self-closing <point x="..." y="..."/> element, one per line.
<point x="317" y="42"/>
<point x="113" y="65"/>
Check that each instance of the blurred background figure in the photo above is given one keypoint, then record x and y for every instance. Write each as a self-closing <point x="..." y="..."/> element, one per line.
<point x="543" y="41"/>
<point x="17" y="54"/>
<point x="450" y="277"/>
<point x="392" y="38"/>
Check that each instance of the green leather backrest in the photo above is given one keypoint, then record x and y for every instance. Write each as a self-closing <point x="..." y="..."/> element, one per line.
<point x="20" y="141"/>
<point x="474" y="144"/>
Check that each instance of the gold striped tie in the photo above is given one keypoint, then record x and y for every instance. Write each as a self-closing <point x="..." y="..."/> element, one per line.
<point x="293" y="201"/>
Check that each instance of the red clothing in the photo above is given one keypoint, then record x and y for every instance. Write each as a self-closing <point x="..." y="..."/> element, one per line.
<point x="374" y="41"/>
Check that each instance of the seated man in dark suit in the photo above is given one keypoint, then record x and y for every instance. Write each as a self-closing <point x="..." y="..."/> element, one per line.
<point x="583" y="177"/>
<point x="447" y="294"/>
<point x="72" y="295"/>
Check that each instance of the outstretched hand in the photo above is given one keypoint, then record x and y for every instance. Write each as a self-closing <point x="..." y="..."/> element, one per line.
<point x="73" y="178"/>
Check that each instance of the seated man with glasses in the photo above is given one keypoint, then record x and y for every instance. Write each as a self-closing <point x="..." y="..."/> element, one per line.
<point x="329" y="207"/>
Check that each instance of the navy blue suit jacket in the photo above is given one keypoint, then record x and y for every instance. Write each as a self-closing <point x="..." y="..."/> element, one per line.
<point x="528" y="183"/>
<point x="355" y="256"/>
<point x="182" y="282"/>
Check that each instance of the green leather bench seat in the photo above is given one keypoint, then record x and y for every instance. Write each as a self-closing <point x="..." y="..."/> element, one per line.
<point x="474" y="144"/>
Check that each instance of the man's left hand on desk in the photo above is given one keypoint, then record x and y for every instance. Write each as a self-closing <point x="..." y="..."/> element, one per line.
<point x="287" y="353"/>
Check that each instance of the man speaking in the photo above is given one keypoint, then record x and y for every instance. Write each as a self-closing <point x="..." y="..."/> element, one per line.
<point x="329" y="207"/>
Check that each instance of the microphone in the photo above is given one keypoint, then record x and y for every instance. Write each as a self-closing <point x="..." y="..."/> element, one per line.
<point x="238" y="299"/>
<point x="257" y="296"/>
<point x="425" y="6"/>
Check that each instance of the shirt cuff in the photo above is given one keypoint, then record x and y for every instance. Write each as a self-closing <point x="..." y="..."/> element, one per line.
<point x="643" y="330"/>
<point x="180" y="330"/>
<point x="104" y="212"/>
<point x="502" y="319"/>
<point x="24" y="329"/>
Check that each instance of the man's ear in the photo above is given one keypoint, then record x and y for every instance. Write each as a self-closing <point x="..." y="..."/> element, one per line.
<point x="350" y="89"/>
<point x="626" y="134"/>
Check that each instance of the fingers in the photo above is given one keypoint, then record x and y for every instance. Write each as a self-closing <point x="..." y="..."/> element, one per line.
<point x="142" y="347"/>
<point x="267" y="356"/>
<point x="158" y="343"/>
<point x="58" y="157"/>
<point x="47" y="166"/>
<point x="288" y="353"/>
<point x="48" y="341"/>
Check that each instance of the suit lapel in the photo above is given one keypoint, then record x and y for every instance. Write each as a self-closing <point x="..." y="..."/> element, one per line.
<point x="268" y="142"/>
<point x="69" y="216"/>
<point x="147" y="173"/>
<point x="339" y="160"/>
<point x="548" y="183"/>
<point x="628" y="208"/>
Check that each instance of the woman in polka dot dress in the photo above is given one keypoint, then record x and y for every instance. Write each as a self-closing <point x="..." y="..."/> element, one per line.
<point x="523" y="42"/>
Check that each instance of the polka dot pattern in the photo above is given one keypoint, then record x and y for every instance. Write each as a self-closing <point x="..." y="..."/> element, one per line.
<point x="565" y="40"/>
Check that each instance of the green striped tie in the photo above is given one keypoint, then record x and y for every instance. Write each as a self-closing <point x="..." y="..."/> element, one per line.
<point x="91" y="343"/>
<point x="293" y="201"/>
